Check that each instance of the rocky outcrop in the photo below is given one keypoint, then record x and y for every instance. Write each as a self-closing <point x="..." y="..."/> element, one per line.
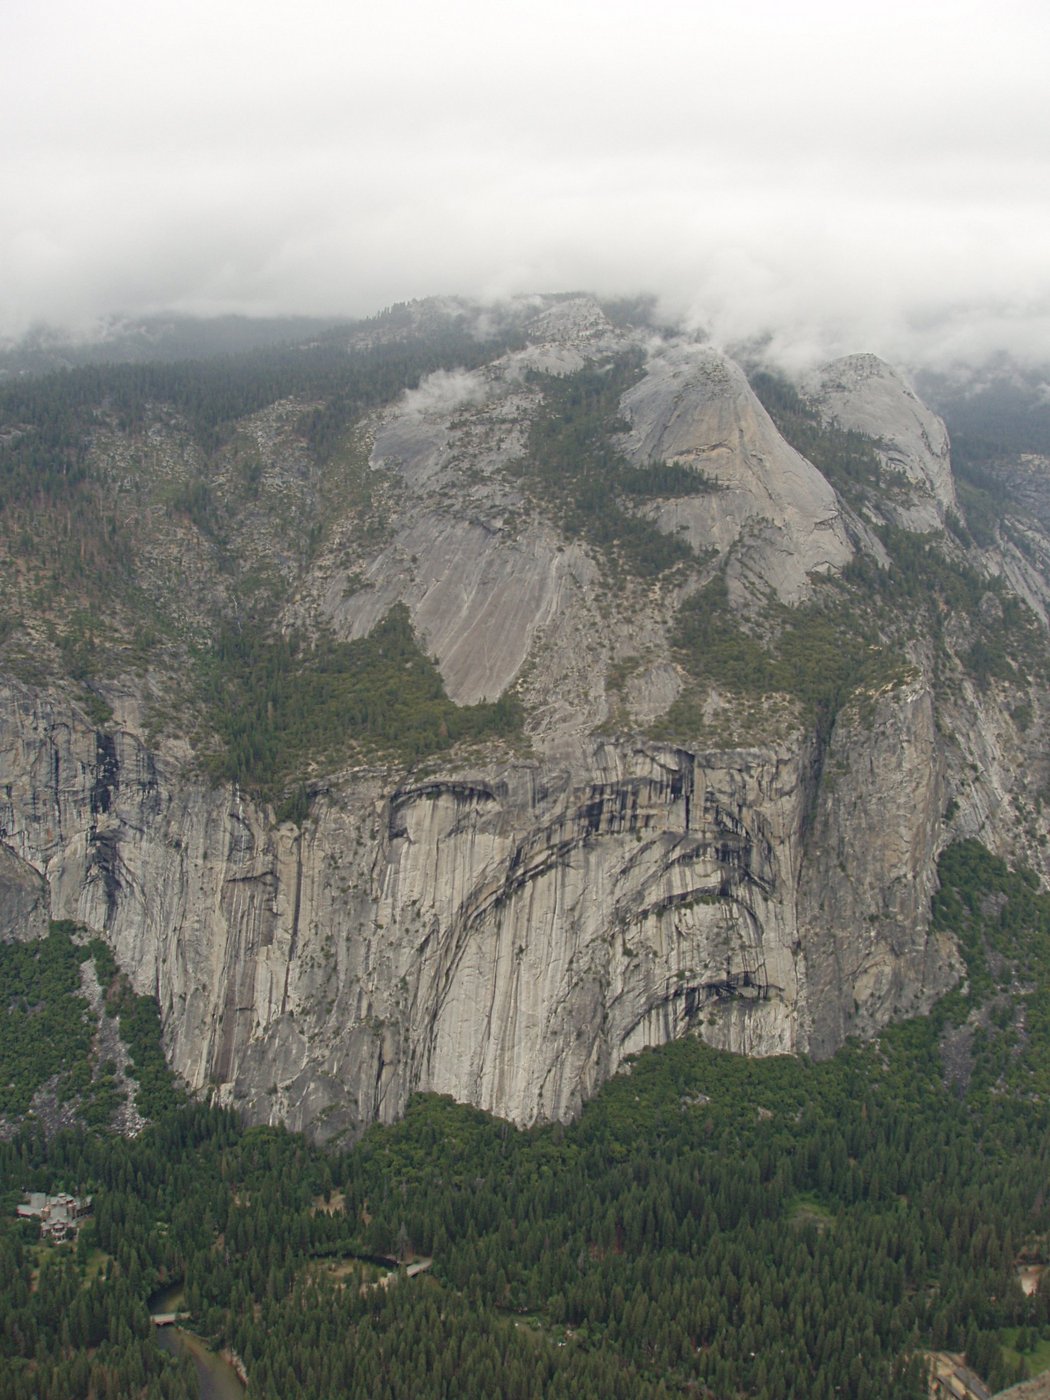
<point x="508" y="926"/>
<point x="863" y="394"/>
<point x="504" y="933"/>
<point x="770" y="507"/>
<point x="863" y="916"/>
<point x="24" y="903"/>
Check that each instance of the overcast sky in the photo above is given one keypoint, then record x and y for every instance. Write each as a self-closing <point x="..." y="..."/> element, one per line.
<point x="870" y="176"/>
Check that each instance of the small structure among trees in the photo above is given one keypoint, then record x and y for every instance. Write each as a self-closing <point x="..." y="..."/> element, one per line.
<point x="60" y="1216"/>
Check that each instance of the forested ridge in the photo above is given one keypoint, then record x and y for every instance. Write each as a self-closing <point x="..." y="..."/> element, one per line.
<point x="92" y="457"/>
<point x="710" y="1226"/>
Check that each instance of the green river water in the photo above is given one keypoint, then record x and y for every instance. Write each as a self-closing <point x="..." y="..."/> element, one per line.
<point x="216" y="1378"/>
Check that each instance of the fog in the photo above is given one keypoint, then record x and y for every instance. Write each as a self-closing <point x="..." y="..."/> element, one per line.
<point x="829" y="180"/>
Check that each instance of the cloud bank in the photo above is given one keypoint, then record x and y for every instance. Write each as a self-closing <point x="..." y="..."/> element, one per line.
<point x="834" y="180"/>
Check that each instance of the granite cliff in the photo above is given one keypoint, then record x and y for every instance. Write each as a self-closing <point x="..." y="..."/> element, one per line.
<point x="706" y="820"/>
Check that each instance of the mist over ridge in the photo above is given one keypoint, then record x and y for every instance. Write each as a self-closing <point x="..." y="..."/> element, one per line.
<point x="832" y="181"/>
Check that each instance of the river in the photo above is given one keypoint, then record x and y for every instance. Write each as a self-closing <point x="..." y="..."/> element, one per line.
<point x="216" y="1378"/>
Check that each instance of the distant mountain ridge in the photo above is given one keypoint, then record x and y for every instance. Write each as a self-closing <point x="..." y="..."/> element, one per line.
<point x="134" y="340"/>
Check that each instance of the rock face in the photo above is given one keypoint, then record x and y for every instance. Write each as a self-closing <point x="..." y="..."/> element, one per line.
<point x="506" y="936"/>
<point x="508" y="926"/>
<point x="774" y="510"/>
<point x="866" y="905"/>
<point x="863" y="394"/>
<point x="23" y="898"/>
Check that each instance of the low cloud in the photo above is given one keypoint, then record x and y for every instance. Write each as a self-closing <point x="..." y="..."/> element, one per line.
<point x="444" y="391"/>
<point x="827" y="181"/>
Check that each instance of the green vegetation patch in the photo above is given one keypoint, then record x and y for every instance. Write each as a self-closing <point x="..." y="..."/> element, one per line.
<point x="925" y="581"/>
<point x="819" y="654"/>
<point x="47" y="1032"/>
<point x="278" y="703"/>
<point x="1001" y="1017"/>
<point x="1026" y="1349"/>
<point x="808" y="1212"/>
<point x="575" y="469"/>
<point x="45" y="1029"/>
<point x="851" y="638"/>
<point x="157" y="1093"/>
<point x="980" y="494"/>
